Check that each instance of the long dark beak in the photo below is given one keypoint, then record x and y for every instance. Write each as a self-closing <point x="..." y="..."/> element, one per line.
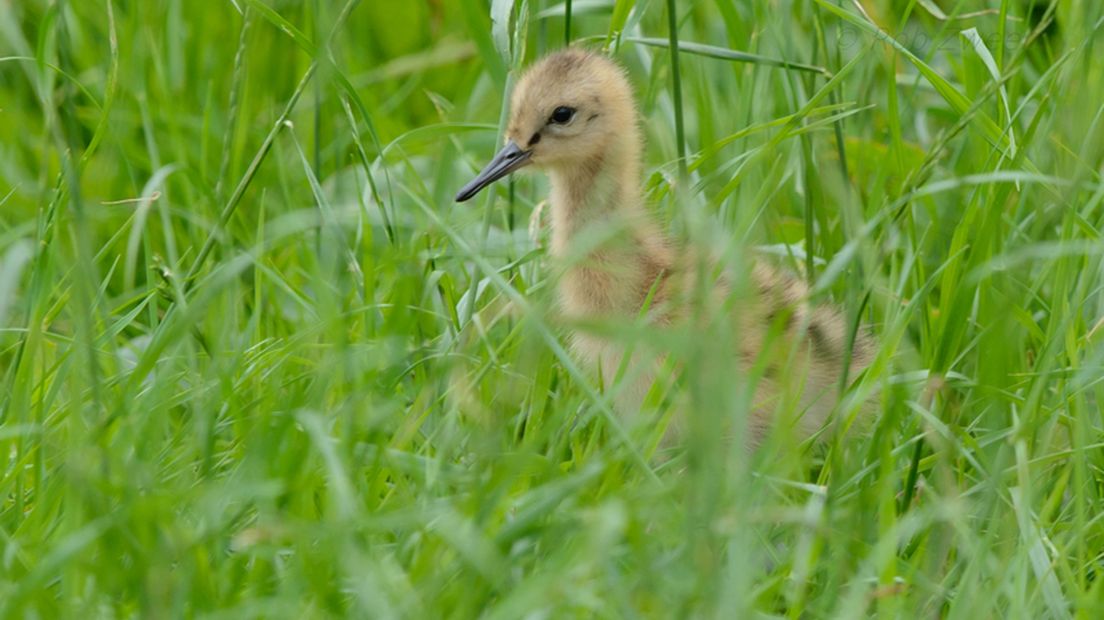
<point x="510" y="158"/>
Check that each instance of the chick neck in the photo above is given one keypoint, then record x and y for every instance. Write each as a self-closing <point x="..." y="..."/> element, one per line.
<point x="611" y="250"/>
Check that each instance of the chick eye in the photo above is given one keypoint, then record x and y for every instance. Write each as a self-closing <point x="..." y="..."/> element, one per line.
<point x="562" y="115"/>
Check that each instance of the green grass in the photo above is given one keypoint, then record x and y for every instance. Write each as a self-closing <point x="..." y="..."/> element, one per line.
<point x="255" y="363"/>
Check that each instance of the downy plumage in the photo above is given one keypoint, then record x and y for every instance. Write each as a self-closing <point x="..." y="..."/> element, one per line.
<point x="573" y="116"/>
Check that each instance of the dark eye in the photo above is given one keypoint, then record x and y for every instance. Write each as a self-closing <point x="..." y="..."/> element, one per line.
<point x="562" y="115"/>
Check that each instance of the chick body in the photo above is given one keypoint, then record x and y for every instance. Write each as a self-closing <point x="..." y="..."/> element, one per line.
<point x="573" y="115"/>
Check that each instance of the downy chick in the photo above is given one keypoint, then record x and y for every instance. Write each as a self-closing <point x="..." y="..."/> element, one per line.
<point x="573" y="116"/>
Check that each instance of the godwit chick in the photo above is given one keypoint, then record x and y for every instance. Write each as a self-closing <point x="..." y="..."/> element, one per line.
<point x="573" y="116"/>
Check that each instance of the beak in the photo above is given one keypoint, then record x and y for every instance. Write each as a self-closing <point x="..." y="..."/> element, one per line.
<point x="510" y="158"/>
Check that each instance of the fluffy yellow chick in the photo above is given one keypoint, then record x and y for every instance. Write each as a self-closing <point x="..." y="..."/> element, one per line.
<point x="573" y="116"/>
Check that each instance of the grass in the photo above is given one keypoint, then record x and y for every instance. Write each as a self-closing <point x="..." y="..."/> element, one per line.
<point x="255" y="363"/>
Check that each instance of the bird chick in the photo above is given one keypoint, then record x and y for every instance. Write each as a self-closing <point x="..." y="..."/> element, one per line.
<point x="573" y="116"/>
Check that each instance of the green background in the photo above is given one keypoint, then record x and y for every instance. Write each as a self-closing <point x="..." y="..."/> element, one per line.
<point x="254" y="362"/>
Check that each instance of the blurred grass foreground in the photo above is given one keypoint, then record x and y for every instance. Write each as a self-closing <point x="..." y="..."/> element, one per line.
<point x="255" y="363"/>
